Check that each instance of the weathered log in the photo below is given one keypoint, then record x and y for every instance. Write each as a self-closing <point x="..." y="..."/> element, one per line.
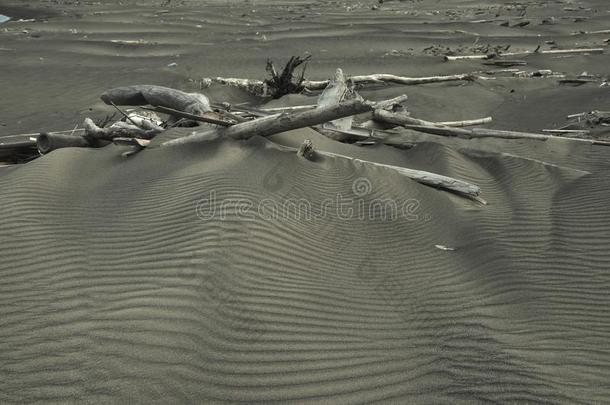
<point x="276" y="123"/>
<point x="193" y="103"/>
<point x="47" y="142"/>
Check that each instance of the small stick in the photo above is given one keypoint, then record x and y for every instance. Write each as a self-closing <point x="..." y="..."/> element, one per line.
<point x="74" y="130"/>
<point x="123" y="113"/>
<point x="466" y="123"/>
<point x="506" y="63"/>
<point x="294" y="108"/>
<point x="566" y="131"/>
<point x="182" y="114"/>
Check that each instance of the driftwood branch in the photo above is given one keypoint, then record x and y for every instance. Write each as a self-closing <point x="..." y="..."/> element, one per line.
<point x="439" y="181"/>
<point x="276" y="123"/>
<point x="383" y="78"/>
<point x="193" y="103"/>
<point x="260" y="88"/>
<point x="402" y="118"/>
<point x="399" y="119"/>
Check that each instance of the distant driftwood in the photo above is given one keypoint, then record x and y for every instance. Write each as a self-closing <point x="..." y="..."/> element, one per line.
<point x="260" y="88"/>
<point x="508" y="54"/>
<point x="435" y="129"/>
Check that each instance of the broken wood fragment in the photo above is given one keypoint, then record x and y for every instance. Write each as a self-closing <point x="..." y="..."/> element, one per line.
<point x="336" y="91"/>
<point x="117" y="130"/>
<point x="306" y="150"/>
<point x="47" y="142"/>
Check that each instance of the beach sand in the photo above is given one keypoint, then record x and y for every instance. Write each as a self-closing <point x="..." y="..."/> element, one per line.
<point x="147" y="280"/>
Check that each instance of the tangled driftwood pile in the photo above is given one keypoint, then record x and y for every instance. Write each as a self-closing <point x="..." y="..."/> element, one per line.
<point x="333" y="116"/>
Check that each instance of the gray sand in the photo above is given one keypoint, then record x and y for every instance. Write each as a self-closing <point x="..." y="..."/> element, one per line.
<point x="118" y="286"/>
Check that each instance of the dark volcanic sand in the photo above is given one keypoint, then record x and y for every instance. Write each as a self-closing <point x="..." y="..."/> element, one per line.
<point x="113" y="290"/>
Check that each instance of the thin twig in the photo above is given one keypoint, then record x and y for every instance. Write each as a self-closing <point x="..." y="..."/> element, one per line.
<point x="123" y="113"/>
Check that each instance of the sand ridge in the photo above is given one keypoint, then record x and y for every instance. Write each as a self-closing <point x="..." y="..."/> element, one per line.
<point x="118" y="291"/>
